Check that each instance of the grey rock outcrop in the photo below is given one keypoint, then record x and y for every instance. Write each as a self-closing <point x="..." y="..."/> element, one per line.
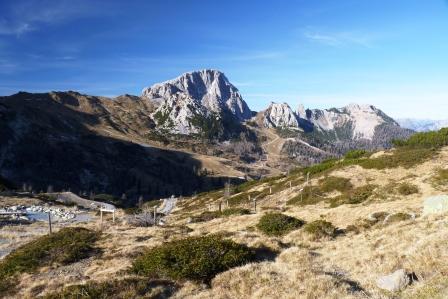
<point x="394" y="282"/>
<point x="197" y="91"/>
<point x="280" y="115"/>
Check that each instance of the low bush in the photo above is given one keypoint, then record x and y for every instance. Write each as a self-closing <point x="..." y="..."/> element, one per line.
<point x="235" y="211"/>
<point x="333" y="183"/>
<point x="426" y="139"/>
<point x="320" y="229"/>
<point x="119" y="289"/>
<point x="310" y="195"/>
<point x="407" y="189"/>
<point x="397" y="217"/>
<point x="441" y="177"/>
<point x="205" y="216"/>
<point x="321" y="167"/>
<point x="356" y="154"/>
<point x="63" y="247"/>
<point x="405" y="157"/>
<point x="277" y="224"/>
<point x="355" y="196"/>
<point x="193" y="258"/>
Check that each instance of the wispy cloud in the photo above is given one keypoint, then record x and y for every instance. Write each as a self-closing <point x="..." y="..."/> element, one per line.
<point x="340" y="39"/>
<point x="23" y="16"/>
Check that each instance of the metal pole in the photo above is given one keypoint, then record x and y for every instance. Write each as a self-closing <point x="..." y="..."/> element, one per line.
<point x="49" y="221"/>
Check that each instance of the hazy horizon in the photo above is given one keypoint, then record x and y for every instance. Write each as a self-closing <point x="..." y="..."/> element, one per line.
<point x="321" y="54"/>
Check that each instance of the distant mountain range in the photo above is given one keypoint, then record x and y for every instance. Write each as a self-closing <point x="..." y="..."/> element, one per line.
<point x="422" y="125"/>
<point x="188" y="134"/>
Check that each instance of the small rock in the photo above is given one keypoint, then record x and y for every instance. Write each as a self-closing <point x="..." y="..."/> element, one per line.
<point x="394" y="282"/>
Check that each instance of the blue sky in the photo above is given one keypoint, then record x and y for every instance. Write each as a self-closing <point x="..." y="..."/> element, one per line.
<point x="322" y="53"/>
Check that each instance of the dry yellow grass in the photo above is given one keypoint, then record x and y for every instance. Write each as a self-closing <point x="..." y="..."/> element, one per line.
<point x="344" y="267"/>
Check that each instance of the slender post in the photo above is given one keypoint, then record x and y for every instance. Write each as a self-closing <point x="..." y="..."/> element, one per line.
<point x="290" y="185"/>
<point x="227" y="203"/>
<point x="101" y="216"/>
<point x="249" y="197"/>
<point x="155" y="216"/>
<point x="270" y="190"/>
<point x="113" y="216"/>
<point x="308" y="178"/>
<point x="49" y="222"/>
<point x="220" y="206"/>
<point x="255" y="205"/>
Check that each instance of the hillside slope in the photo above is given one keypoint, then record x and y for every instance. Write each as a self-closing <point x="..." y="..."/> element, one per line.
<point x="362" y="218"/>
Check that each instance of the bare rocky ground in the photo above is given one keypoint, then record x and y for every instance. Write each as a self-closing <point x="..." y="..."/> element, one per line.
<point x="347" y="266"/>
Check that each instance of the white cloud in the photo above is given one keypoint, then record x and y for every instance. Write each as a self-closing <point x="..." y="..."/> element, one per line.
<point x="29" y="15"/>
<point x="340" y="39"/>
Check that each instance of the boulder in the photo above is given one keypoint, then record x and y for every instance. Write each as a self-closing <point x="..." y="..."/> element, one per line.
<point x="394" y="282"/>
<point x="435" y="204"/>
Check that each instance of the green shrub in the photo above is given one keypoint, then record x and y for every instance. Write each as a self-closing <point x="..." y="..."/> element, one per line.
<point x="405" y="157"/>
<point x="277" y="224"/>
<point x="310" y="195"/>
<point x="235" y="211"/>
<point x="320" y="229"/>
<point x="205" y="216"/>
<point x="119" y="289"/>
<point x="333" y="183"/>
<point x="321" y="167"/>
<point x="194" y="258"/>
<point x="397" y="217"/>
<point x="355" y="196"/>
<point x="407" y="189"/>
<point x="63" y="247"/>
<point x="355" y="154"/>
<point x="441" y="177"/>
<point x="426" y="139"/>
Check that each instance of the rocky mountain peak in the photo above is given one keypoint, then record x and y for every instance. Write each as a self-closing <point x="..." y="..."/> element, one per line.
<point x="210" y="88"/>
<point x="280" y="115"/>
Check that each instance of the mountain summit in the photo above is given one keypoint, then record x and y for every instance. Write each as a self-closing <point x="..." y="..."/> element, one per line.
<point x="194" y="97"/>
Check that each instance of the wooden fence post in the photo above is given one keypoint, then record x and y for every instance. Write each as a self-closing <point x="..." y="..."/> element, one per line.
<point x="255" y="205"/>
<point x="49" y="222"/>
<point x="220" y="206"/>
<point x="155" y="216"/>
<point x="113" y="216"/>
<point x="270" y="190"/>
<point x="290" y="185"/>
<point x="101" y="216"/>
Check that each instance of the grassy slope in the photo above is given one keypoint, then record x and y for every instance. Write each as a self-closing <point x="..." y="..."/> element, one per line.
<point x="345" y="265"/>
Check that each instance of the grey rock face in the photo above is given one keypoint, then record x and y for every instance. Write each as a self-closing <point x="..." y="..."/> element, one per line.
<point x="196" y="93"/>
<point x="394" y="282"/>
<point x="280" y="115"/>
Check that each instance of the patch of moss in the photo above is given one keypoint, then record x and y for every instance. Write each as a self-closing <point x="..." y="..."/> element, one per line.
<point x="277" y="224"/>
<point x="193" y="258"/>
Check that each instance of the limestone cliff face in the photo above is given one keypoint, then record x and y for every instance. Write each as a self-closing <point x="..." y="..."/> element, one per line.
<point x="280" y="115"/>
<point x="195" y="95"/>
